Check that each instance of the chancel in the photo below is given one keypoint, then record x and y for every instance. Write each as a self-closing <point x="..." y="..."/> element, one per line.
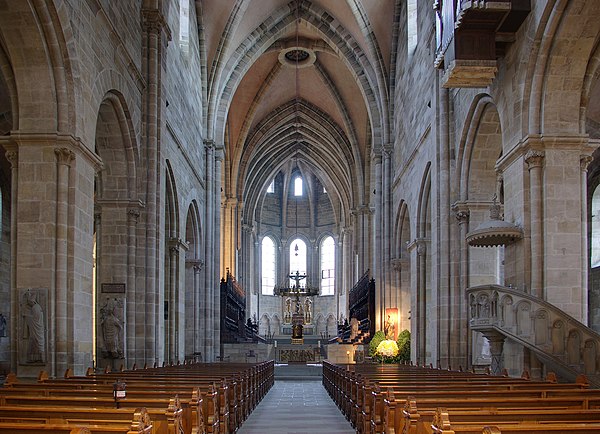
<point x="261" y="197"/>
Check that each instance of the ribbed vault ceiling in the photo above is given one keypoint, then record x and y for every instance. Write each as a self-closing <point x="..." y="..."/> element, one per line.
<point x="327" y="118"/>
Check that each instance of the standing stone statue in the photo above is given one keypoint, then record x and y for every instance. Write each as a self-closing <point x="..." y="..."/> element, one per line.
<point x="35" y="329"/>
<point x="353" y="328"/>
<point x="287" y="318"/>
<point x="308" y="311"/>
<point x="112" y="330"/>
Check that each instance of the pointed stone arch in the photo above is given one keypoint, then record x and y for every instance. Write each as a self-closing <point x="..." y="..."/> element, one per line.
<point x="402" y="268"/>
<point x="423" y="304"/>
<point x="117" y="211"/>
<point x="195" y="298"/>
<point x="480" y="148"/>
<point x="171" y="299"/>
<point x="548" y="104"/>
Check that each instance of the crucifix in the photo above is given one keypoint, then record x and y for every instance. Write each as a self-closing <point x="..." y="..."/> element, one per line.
<point x="297" y="277"/>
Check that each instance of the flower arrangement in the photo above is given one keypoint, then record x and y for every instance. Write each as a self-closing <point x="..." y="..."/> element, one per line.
<point x="392" y="351"/>
<point x="387" y="349"/>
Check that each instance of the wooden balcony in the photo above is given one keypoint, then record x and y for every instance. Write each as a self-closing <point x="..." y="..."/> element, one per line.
<point x="472" y="37"/>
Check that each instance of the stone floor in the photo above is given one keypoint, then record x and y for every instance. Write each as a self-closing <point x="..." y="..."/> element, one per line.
<point x="296" y="407"/>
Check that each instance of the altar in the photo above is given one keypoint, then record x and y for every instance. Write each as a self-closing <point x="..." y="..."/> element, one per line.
<point x="298" y="309"/>
<point x="298" y="353"/>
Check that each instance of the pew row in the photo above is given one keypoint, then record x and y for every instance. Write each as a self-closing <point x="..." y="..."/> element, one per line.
<point x="383" y="399"/>
<point x="212" y="398"/>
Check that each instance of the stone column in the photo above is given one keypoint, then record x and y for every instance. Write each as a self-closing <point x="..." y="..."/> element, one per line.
<point x="172" y="300"/>
<point x="13" y="158"/>
<point x="461" y="335"/>
<point x="377" y="242"/>
<point x="219" y="156"/>
<point x="386" y="224"/>
<point x="198" y="331"/>
<point x="396" y="285"/>
<point x="133" y="215"/>
<point x="154" y="25"/>
<point x="229" y="236"/>
<point x="96" y="283"/>
<point x="535" y="161"/>
<point x="347" y="261"/>
<point x="418" y="250"/>
<point x="209" y="230"/>
<point x="64" y="158"/>
<point x="445" y="299"/>
<point x="584" y="163"/>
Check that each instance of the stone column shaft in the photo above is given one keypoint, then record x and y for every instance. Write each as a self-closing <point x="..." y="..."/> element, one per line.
<point x="534" y="160"/>
<point x="459" y="324"/>
<point x="210" y="252"/>
<point x="130" y="344"/>
<point x="154" y="25"/>
<point x="446" y="339"/>
<point x="198" y="331"/>
<point x="13" y="157"/>
<point x="173" y="304"/>
<point x="584" y="162"/>
<point x="387" y="228"/>
<point x="64" y="159"/>
<point x="377" y="242"/>
<point x="217" y="246"/>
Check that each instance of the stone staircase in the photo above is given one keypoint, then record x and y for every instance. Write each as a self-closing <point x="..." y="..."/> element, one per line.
<point x="563" y="344"/>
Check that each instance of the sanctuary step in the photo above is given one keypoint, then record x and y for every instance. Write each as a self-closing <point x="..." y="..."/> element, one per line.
<point x="298" y="372"/>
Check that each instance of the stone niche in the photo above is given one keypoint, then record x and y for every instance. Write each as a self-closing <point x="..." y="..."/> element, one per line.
<point x="32" y="341"/>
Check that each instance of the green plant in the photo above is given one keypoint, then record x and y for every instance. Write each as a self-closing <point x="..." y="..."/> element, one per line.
<point x="375" y="341"/>
<point x="403" y="342"/>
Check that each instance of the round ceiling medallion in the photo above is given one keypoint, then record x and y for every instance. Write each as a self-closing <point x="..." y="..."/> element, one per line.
<point x="300" y="57"/>
<point x="296" y="55"/>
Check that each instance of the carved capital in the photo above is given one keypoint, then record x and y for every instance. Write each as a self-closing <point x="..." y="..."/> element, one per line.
<point x="534" y="158"/>
<point x="584" y="162"/>
<point x="209" y="144"/>
<point x="462" y="216"/>
<point x="387" y="150"/>
<point x="196" y="264"/>
<point x="420" y="244"/>
<point x="177" y="244"/>
<point x="13" y="158"/>
<point x="64" y="156"/>
<point x="396" y="264"/>
<point x="154" y="22"/>
<point x="133" y="214"/>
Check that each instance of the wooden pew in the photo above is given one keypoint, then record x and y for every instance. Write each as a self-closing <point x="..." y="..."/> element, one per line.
<point x="442" y="425"/>
<point x="141" y="423"/>
<point x="209" y="407"/>
<point x="357" y="391"/>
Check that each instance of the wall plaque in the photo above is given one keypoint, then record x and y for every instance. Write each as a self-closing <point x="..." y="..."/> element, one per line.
<point x="112" y="288"/>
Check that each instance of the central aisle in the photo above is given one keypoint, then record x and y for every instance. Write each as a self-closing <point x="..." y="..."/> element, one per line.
<point x="296" y="407"/>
